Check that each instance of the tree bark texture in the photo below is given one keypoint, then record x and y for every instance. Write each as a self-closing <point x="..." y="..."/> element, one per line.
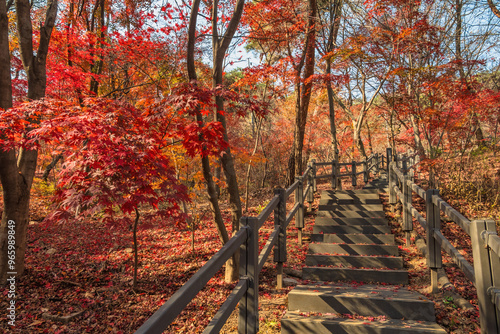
<point x="17" y="172"/>
<point x="205" y="161"/>
<point x="306" y="91"/>
<point x="303" y="91"/>
<point x="334" y="24"/>
<point x="220" y="45"/>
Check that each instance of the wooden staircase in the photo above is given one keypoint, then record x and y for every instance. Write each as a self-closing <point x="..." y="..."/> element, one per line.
<point x="356" y="274"/>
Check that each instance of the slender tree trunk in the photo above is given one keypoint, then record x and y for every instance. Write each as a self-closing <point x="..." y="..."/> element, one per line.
<point x="51" y="166"/>
<point x="220" y="45"/>
<point x="232" y="272"/>
<point x="476" y="125"/>
<point x="98" y="65"/>
<point x="494" y="8"/>
<point x="17" y="171"/>
<point x="292" y="156"/>
<point x="418" y="141"/>
<point x="136" y="255"/>
<point x="231" y="265"/>
<point x="5" y="79"/>
<point x="358" y="141"/>
<point x="306" y="91"/>
<point x="369" y="134"/>
<point x="249" y="169"/>
<point x="335" y="15"/>
<point x="205" y="162"/>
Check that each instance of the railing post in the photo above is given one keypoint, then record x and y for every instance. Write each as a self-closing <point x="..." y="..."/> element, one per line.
<point x="334" y="174"/>
<point x="377" y="166"/>
<point x="315" y="186"/>
<point x="388" y="158"/>
<point x="405" y="165"/>
<point x="416" y="162"/>
<point x="434" y="259"/>
<point x="392" y="193"/>
<point x="299" y="216"/>
<point x="407" y="203"/>
<point x="353" y="173"/>
<point x="310" y="182"/>
<point x="365" y="170"/>
<point x="248" y="321"/>
<point x="280" y="248"/>
<point x="487" y="274"/>
<point x="411" y="172"/>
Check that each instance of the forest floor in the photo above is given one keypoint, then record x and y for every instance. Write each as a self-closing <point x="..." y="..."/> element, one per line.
<point x="84" y="270"/>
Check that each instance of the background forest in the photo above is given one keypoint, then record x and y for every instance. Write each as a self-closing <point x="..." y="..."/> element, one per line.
<point x="131" y="128"/>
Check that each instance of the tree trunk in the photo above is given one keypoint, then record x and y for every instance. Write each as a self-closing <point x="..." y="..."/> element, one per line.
<point x="17" y="173"/>
<point x="227" y="160"/>
<point x="306" y="91"/>
<point x="335" y="15"/>
<point x="51" y="166"/>
<point x="369" y="134"/>
<point x="220" y="44"/>
<point x="231" y="265"/>
<point x="5" y="79"/>
<point x="418" y="141"/>
<point x="476" y="126"/>
<point x="249" y="168"/>
<point x="291" y="159"/>
<point x="358" y="141"/>
<point x="494" y="8"/>
<point x="136" y="255"/>
<point x="98" y="65"/>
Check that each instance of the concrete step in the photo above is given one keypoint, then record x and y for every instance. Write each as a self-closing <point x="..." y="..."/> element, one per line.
<point x="353" y="249"/>
<point x="365" y="300"/>
<point x="359" y="193"/>
<point x="395" y="276"/>
<point x="343" y="198"/>
<point x="329" y="205"/>
<point x="380" y="185"/>
<point x="351" y="221"/>
<point x="356" y="192"/>
<point x="350" y="229"/>
<point x="376" y="183"/>
<point x="387" y="239"/>
<point x="351" y="214"/>
<point x="355" y="261"/>
<point x="295" y="323"/>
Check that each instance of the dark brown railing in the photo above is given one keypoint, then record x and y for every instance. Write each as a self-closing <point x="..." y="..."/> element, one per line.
<point x="485" y="274"/>
<point x="246" y="240"/>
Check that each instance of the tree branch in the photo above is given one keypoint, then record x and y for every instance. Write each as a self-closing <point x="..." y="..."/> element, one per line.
<point x="494" y="8"/>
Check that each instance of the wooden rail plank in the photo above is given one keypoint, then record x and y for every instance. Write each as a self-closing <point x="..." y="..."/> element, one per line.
<point x="291" y="214"/>
<point x="268" y="210"/>
<point x="455" y="255"/>
<point x="291" y="189"/>
<point x="264" y="254"/>
<point x="493" y="242"/>
<point x="456" y="216"/>
<point x="419" y="191"/>
<point x="419" y="217"/>
<point x="227" y="308"/>
<point x="167" y="313"/>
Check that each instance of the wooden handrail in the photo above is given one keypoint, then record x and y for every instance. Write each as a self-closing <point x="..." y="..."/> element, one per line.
<point x="485" y="274"/>
<point x="162" y="318"/>
<point x="251" y="262"/>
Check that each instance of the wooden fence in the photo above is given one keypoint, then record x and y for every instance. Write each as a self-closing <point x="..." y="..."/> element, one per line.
<point x="373" y="164"/>
<point x="485" y="274"/>
<point x="246" y="240"/>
